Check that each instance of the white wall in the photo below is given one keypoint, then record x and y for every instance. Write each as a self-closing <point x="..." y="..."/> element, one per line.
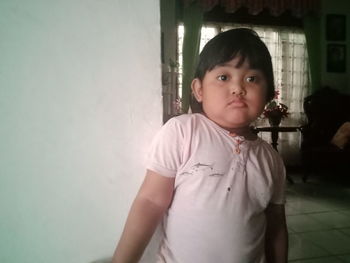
<point x="80" y="100"/>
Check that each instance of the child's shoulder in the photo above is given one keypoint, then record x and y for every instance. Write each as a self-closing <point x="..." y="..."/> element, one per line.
<point x="184" y="124"/>
<point x="186" y="119"/>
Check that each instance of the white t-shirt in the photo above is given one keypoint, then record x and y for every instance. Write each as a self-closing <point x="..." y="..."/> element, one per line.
<point x="223" y="185"/>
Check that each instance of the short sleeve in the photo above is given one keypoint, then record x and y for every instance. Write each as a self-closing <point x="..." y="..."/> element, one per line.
<point x="279" y="182"/>
<point x="165" y="154"/>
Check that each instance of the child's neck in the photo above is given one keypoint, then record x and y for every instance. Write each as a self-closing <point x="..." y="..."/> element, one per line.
<point x="245" y="131"/>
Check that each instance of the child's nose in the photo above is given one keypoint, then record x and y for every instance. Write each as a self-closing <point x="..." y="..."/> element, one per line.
<point x="237" y="89"/>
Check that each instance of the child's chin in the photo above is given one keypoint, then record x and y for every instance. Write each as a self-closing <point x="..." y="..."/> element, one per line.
<point x="239" y="120"/>
<point x="238" y="124"/>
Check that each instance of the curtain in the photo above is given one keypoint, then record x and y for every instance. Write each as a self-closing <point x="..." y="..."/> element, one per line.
<point x="312" y="33"/>
<point x="193" y="17"/>
<point x="291" y="71"/>
<point x="298" y="8"/>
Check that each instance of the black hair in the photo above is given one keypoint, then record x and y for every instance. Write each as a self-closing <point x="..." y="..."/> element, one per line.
<point x="242" y="42"/>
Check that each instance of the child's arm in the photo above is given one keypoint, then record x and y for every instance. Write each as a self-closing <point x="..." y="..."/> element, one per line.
<point x="276" y="245"/>
<point x="147" y="210"/>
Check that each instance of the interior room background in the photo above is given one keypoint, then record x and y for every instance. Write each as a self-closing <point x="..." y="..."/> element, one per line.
<point x="80" y="100"/>
<point x="291" y="36"/>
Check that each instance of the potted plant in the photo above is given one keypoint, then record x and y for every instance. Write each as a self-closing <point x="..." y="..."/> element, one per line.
<point x="275" y="111"/>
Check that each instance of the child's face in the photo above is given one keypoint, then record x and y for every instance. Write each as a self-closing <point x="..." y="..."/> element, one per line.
<point x="232" y="97"/>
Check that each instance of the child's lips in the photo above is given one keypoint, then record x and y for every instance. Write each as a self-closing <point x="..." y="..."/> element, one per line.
<point x="237" y="103"/>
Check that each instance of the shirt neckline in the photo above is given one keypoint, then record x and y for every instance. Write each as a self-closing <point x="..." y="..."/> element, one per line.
<point x="226" y="132"/>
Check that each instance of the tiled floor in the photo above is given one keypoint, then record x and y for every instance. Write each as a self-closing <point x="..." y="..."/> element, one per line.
<point x="318" y="218"/>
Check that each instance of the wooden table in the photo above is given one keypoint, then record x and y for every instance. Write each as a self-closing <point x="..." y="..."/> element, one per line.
<point x="274" y="132"/>
<point x="274" y="136"/>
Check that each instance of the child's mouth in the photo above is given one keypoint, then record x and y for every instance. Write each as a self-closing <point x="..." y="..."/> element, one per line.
<point x="237" y="103"/>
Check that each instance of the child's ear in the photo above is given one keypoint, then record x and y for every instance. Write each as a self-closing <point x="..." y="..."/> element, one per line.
<point x="197" y="90"/>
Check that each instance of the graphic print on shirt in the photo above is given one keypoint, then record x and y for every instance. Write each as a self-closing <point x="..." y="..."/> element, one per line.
<point x="205" y="169"/>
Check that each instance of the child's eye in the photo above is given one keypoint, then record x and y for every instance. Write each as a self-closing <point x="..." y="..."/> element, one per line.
<point x="251" y="79"/>
<point x="222" y="77"/>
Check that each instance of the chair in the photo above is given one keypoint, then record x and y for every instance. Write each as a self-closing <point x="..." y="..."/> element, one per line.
<point x="326" y="110"/>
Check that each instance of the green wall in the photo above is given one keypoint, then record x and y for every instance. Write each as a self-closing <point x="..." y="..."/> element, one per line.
<point x="339" y="81"/>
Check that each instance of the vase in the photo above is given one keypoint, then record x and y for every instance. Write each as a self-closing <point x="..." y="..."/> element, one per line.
<point x="275" y="120"/>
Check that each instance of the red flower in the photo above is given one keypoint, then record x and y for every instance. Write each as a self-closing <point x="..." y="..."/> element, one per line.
<point x="275" y="109"/>
<point x="277" y="93"/>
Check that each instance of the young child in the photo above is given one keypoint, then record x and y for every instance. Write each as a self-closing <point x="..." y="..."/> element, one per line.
<point x="216" y="188"/>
